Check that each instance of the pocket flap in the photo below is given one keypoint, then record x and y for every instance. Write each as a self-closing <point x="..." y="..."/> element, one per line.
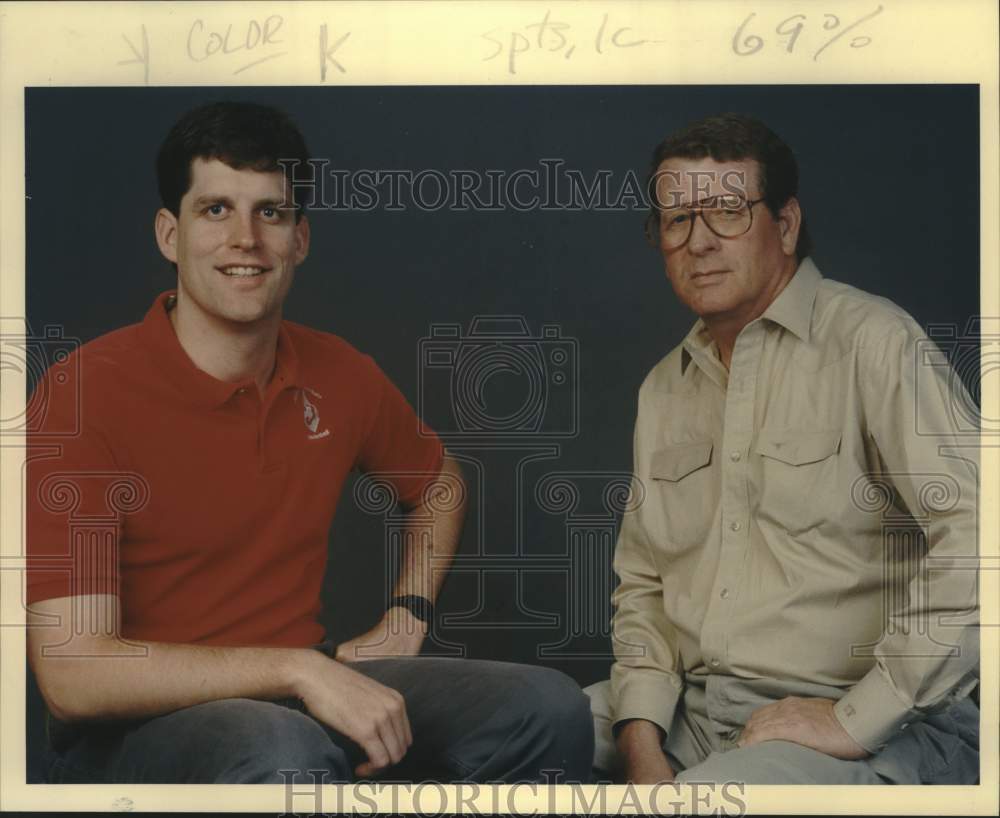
<point x="674" y="462"/>
<point x="797" y="449"/>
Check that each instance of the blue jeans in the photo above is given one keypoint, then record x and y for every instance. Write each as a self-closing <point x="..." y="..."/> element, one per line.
<point x="471" y="721"/>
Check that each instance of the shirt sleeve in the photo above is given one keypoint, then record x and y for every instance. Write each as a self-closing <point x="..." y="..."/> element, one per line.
<point x="929" y="652"/>
<point x="646" y="678"/>
<point x="397" y="445"/>
<point x="73" y="530"/>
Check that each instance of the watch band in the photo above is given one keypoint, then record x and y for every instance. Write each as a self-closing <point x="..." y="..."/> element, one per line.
<point x="420" y="606"/>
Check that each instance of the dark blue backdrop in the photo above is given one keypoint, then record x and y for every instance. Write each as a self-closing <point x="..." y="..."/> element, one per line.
<point x="890" y="188"/>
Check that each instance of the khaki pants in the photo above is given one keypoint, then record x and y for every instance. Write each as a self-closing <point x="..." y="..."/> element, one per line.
<point x="941" y="749"/>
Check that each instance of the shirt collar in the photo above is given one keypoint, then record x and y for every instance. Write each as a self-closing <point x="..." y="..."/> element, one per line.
<point x="199" y="387"/>
<point x="698" y="346"/>
<point x="792" y="309"/>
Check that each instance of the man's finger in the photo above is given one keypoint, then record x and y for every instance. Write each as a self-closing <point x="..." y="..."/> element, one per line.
<point x="400" y="722"/>
<point x="393" y="741"/>
<point x="378" y="754"/>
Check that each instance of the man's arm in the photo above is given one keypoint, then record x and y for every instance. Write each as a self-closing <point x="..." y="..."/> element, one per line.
<point x="118" y="684"/>
<point x="927" y="654"/>
<point x="425" y="562"/>
<point x="640" y="745"/>
<point x="646" y="679"/>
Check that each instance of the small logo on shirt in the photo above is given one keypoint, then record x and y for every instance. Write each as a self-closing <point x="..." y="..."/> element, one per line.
<point x="310" y="413"/>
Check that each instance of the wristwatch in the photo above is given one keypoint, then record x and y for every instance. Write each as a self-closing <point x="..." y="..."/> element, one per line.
<point x="420" y="606"/>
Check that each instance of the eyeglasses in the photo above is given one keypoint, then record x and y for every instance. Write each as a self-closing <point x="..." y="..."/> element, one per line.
<point x="726" y="216"/>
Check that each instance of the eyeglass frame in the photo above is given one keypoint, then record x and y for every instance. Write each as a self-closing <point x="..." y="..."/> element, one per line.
<point x="695" y="210"/>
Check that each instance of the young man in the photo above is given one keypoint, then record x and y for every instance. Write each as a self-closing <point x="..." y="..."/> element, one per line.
<point x="177" y="543"/>
<point x="798" y="587"/>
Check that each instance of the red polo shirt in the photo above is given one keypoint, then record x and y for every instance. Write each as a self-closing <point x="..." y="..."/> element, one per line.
<point x="204" y="505"/>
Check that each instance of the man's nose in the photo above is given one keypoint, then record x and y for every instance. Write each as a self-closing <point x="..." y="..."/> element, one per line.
<point x="243" y="232"/>
<point x="702" y="239"/>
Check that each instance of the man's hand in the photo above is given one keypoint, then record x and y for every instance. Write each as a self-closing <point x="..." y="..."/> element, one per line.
<point x="399" y="633"/>
<point x="370" y="713"/>
<point x="809" y="722"/>
<point x="640" y="746"/>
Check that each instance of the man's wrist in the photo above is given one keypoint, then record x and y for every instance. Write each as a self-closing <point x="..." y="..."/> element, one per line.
<point x="637" y="735"/>
<point x="401" y="622"/>
<point x="301" y="669"/>
<point x="420" y="607"/>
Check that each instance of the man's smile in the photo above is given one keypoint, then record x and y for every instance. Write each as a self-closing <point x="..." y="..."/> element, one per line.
<point x="242" y="271"/>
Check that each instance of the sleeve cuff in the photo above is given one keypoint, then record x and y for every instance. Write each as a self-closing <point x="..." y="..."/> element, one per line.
<point x="872" y="712"/>
<point x="649" y="696"/>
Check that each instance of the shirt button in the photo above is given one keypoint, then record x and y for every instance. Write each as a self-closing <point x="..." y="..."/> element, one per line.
<point x="735" y="456"/>
<point x="241" y="391"/>
<point x="724" y="593"/>
<point x="714" y="663"/>
<point x="735" y="526"/>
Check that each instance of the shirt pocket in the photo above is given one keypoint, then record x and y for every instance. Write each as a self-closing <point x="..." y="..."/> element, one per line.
<point x="682" y="476"/>
<point x="797" y="478"/>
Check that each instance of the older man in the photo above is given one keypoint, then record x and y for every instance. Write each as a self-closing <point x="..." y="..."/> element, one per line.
<point x="798" y="584"/>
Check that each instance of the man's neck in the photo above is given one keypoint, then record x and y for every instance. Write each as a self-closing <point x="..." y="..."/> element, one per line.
<point x="725" y="328"/>
<point x="226" y="350"/>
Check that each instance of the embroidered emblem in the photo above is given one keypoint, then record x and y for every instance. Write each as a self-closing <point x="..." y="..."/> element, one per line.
<point x="310" y="413"/>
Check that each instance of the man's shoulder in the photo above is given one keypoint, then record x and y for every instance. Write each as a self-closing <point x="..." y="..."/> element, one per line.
<point x="328" y="353"/>
<point x="665" y="374"/>
<point x="851" y="317"/>
<point x="110" y="351"/>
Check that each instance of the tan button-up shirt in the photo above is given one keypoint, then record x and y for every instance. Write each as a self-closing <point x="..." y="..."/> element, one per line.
<point x="804" y="524"/>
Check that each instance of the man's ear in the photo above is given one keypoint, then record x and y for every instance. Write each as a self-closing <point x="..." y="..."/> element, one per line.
<point x="301" y="240"/>
<point x="165" y="228"/>
<point x="789" y="223"/>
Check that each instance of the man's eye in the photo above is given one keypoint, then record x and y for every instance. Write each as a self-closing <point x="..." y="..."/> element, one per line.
<point x="270" y="212"/>
<point x="728" y="213"/>
<point x="676" y="219"/>
<point x="215" y="209"/>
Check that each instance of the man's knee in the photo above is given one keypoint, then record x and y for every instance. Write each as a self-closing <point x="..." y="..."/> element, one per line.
<point x="777" y="762"/>
<point x="243" y="741"/>
<point x="539" y="729"/>
<point x="556" y="716"/>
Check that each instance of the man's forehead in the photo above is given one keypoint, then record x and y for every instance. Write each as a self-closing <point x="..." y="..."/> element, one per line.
<point x="214" y="174"/>
<point x="686" y="181"/>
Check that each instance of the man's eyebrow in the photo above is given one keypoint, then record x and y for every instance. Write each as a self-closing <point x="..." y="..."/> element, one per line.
<point x="275" y="202"/>
<point x="209" y="199"/>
